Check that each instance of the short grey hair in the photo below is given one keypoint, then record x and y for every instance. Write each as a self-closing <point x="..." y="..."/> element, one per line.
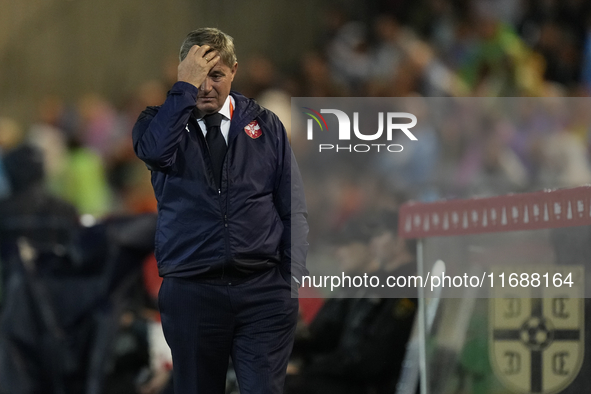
<point x="216" y="39"/>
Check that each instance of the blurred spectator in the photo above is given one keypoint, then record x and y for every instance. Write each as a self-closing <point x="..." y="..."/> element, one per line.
<point x="565" y="161"/>
<point x="357" y="344"/>
<point x="4" y="185"/>
<point x="11" y="135"/>
<point x="74" y="171"/>
<point x="317" y="78"/>
<point x="61" y="311"/>
<point x="500" y="64"/>
<point x="489" y="166"/>
<point x="127" y="175"/>
<point x="55" y="121"/>
<point x="387" y="53"/>
<point x="259" y="75"/>
<point x="99" y="124"/>
<point x="414" y="167"/>
<point x="586" y="59"/>
<point x="408" y="64"/>
<point x="83" y="181"/>
<point x="46" y="221"/>
<point x="348" y="56"/>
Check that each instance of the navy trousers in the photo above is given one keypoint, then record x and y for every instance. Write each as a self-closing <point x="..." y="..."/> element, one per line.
<point x="252" y="321"/>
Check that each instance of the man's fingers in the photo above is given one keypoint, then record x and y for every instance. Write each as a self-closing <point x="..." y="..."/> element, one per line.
<point x="210" y="56"/>
<point x="202" y="50"/>
<point x="197" y="65"/>
<point x="193" y="49"/>
<point x="211" y="64"/>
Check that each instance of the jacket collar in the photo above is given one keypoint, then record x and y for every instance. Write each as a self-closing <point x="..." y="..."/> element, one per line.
<point x="246" y="111"/>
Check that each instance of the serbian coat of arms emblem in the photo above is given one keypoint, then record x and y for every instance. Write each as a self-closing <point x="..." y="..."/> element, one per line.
<point x="253" y="130"/>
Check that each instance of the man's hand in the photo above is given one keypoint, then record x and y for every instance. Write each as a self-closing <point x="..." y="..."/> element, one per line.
<point x="195" y="67"/>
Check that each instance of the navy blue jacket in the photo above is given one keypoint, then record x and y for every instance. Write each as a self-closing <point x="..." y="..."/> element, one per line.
<point x="254" y="222"/>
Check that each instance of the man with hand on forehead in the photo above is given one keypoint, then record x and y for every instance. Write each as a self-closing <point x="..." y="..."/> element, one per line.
<point x="231" y="236"/>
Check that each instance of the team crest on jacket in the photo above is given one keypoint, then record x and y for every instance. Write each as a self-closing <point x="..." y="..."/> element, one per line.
<point x="253" y="130"/>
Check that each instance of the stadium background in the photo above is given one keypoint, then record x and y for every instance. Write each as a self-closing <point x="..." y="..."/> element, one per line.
<point x="74" y="76"/>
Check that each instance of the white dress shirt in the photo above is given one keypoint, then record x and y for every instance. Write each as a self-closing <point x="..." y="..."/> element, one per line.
<point x="227" y="116"/>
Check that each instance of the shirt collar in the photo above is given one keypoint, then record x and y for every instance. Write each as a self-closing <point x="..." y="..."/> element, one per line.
<point x="225" y="111"/>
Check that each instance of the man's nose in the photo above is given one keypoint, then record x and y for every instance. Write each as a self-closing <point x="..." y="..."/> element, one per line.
<point x="206" y="85"/>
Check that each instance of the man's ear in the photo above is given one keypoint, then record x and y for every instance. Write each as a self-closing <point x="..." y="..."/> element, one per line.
<point x="233" y="70"/>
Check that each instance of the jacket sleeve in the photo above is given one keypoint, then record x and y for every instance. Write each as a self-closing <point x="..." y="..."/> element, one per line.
<point x="157" y="132"/>
<point x="290" y="202"/>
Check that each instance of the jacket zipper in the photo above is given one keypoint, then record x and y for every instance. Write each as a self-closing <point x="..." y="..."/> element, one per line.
<point x="223" y="212"/>
<point x="225" y="216"/>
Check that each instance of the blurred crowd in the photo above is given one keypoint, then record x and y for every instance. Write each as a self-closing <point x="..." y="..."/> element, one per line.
<point x="395" y="48"/>
<point x="426" y="48"/>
